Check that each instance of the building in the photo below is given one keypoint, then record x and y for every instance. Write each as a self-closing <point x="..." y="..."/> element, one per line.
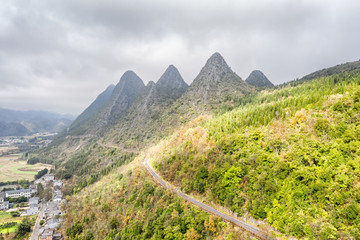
<point x="58" y="183"/>
<point x="33" y="200"/>
<point x="49" y="177"/>
<point x="33" y="188"/>
<point x="33" y="209"/>
<point x="46" y="234"/>
<point x="18" y="193"/>
<point x="53" y="223"/>
<point x="4" y="205"/>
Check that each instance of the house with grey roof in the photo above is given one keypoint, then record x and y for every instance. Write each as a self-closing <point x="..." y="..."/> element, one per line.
<point x="33" y="209"/>
<point x="18" y="193"/>
<point x="34" y="200"/>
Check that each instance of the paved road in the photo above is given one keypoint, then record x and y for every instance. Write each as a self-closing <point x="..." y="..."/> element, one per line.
<point x="35" y="233"/>
<point x="243" y="225"/>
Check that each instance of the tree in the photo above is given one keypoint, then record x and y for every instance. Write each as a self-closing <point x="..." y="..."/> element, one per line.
<point x="114" y="223"/>
<point x="191" y="234"/>
<point x="23" y="228"/>
<point x="210" y="226"/>
<point x="41" y="173"/>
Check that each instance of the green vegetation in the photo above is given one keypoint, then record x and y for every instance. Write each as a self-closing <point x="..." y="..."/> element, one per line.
<point x="289" y="156"/>
<point x="139" y="209"/>
<point x="24" y="228"/>
<point x="41" y="173"/>
<point x="15" y="227"/>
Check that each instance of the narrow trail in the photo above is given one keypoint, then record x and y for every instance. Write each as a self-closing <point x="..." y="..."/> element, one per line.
<point x="243" y="225"/>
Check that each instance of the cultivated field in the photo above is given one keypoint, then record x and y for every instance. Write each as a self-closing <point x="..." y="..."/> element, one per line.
<point x="12" y="169"/>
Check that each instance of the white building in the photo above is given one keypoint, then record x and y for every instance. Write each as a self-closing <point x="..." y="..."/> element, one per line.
<point x="18" y="193"/>
<point x="3" y="204"/>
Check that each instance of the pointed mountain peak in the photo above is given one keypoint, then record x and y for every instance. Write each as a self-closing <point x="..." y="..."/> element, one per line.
<point x="216" y="60"/>
<point x="171" y="83"/>
<point x="150" y="84"/>
<point x="214" y="70"/>
<point x="258" y="79"/>
<point x="130" y="76"/>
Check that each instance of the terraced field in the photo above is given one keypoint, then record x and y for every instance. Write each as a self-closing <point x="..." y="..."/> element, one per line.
<point x="11" y="169"/>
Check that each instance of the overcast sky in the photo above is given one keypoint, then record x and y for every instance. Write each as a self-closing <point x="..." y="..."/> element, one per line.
<point x="58" y="55"/>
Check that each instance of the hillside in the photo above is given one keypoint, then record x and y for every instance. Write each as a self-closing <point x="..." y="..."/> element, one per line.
<point x="138" y="209"/>
<point x="290" y="157"/>
<point x="82" y="120"/>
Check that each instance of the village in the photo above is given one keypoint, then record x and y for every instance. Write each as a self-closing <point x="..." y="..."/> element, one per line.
<point x="47" y="209"/>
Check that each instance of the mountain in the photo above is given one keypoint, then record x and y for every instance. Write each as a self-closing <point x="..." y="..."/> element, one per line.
<point x="93" y="109"/>
<point x="289" y="157"/>
<point x="215" y="84"/>
<point x="107" y="109"/>
<point x="13" y="129"/>
<point x="146" y="116"/>
<point x="258" y="79"/>
<point x="32" y="121"/>
<point x="123" y="95"/>
<point x="171" y="83"/>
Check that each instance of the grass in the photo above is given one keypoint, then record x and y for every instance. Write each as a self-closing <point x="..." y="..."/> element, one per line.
<point x="9" y="230"/>
<point x="12" y="169"/>
<point x="6" y="217"/>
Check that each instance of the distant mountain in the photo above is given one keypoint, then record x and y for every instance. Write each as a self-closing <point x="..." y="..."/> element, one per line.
<point x="13" y="129"/>
<point x="32" y="121"/>
<point x="215" y="83"/>
<point x="93" y="109"/>
<point x="258" y="79"/>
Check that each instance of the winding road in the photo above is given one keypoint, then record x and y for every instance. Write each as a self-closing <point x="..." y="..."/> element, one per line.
<point x="243" y="225"/>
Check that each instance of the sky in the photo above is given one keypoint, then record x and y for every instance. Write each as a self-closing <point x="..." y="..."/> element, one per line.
<point x="59" y="55"/>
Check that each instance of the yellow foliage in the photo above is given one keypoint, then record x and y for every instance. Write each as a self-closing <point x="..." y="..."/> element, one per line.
<point x="300" y="117"/>
<point x="210" y="226"/>
<point x="191" y="234"/>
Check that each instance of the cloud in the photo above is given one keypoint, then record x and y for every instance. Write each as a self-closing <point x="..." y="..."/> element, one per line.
<point x="59" y="55"/>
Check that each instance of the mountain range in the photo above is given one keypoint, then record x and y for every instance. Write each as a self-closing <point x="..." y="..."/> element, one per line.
<point x="286" y="155"/>
<point x="21" y="123"/>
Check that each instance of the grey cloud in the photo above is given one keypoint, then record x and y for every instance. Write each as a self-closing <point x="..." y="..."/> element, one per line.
<point x="74" y="49"/>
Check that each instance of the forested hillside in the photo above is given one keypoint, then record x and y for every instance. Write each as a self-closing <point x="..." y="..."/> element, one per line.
<point x="127" y="204"/>
<point x="290" y="156"/>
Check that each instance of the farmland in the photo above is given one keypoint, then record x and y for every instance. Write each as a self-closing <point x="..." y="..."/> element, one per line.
<point x="12" y="169"/>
